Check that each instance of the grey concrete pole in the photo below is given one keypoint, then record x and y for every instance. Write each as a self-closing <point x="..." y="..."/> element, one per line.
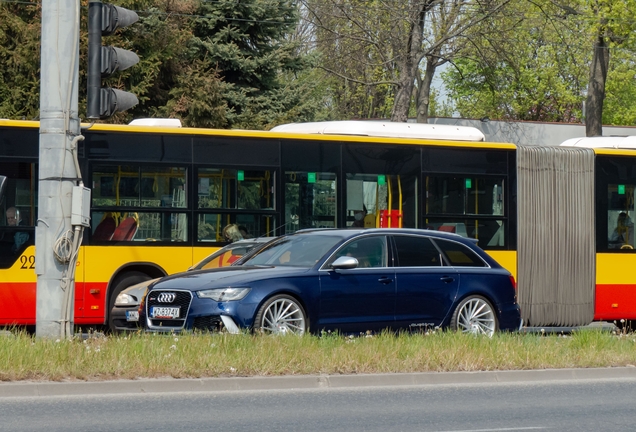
<point x="59" y="123"/>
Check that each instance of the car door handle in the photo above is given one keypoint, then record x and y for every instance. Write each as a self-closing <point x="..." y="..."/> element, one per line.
<point x="447" y="279"/>
<point x="385" y="280"/>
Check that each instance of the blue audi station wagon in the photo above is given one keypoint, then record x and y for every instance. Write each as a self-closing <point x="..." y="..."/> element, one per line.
<point x="346" y="280"/>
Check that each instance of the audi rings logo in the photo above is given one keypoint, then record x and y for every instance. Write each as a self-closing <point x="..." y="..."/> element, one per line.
<point x="166" y="297"/>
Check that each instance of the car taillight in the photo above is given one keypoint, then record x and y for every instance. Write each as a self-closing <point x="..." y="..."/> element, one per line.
<point x="512" y="281"/>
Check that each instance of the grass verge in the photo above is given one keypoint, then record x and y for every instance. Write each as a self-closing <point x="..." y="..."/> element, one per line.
<point x="139" y="355"/>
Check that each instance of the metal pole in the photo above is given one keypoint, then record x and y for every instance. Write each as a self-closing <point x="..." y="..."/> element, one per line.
<point x="59" y="124"/>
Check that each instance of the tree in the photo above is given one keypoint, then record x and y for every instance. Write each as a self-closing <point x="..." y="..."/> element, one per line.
<point x="20" y="60"/>
<point x="620" y="92"/>
<point x="246" y="42"/>
<point x="542" y="67"/>
<point x="212" y="64"/>
<point x="531" y="68"/>
<point x="611" y="25"/>
<point x="383" y="43"/>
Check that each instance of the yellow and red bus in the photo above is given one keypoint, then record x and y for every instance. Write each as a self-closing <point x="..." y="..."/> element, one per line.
<point x="161" y="197"/>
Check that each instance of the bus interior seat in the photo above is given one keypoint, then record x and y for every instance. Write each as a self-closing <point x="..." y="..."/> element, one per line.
<point x="447" y="228"/>
<point x="105" y="230"/>
<point x="126" y="230"/>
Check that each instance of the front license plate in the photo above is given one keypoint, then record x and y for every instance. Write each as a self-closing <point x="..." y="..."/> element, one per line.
<point x="132" y="315"/>
<point x="164" y="312"/>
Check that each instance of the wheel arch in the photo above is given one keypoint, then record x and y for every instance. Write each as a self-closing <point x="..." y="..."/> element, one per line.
<point x="151" y="269"/>
<point x="286" y="291"/>
<point x="460" y="298"/>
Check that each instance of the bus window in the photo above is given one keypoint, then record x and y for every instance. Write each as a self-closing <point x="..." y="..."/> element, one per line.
<point x="210" y="225"/>
<point x="18" y="210"/>
<point x="620" y="214"/>
<point x="139" y="226"/>
<point x="236" y="189"/>
<point x="464" y="195"/>
<point x="490" y="233"/>
<point x="378" y="200"/>
<point x="310" y="200"/>
<point x="139" y="186"/>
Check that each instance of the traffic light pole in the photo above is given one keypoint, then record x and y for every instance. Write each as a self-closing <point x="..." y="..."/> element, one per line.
<point x="59" y="125"/>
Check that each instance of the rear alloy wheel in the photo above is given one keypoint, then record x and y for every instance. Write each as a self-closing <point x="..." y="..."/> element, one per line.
<point x="475" y="315"/>
<point x="282" y="314"/>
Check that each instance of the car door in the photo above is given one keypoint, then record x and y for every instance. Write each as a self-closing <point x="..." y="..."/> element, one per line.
<point x="426" y="286"/>
<point x="360" y="299"/>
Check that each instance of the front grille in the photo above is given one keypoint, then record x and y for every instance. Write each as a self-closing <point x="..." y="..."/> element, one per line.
<point x="182" y="300"/>
<point x="208" y="324"/>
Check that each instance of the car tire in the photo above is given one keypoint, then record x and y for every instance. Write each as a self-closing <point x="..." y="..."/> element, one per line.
<point x="475" y="315"/>
<point x="121" y="283"/>
<point x="281" y="314"/>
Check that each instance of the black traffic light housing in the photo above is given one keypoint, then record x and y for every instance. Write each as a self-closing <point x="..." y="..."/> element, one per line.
<point x="103" y="20"/>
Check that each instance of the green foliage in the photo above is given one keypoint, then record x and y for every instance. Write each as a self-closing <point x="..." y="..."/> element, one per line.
<point x="20" y="60"/>
<point x="353" y="43"/>
<point x="197" y="97"/>
<point x="246" y="43"/>
<point x="539" y="69"/>
<point x="211" y="64"/>
<point x="532" y="70"/>
<point x="620" y="107"/>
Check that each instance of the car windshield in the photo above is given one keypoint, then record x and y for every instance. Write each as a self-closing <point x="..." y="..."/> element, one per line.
<point x="225" y="256"/>
<point x="295" y="251"/>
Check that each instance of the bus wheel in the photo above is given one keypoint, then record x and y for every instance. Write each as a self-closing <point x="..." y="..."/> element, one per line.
<point x="121" y="283"/>
<point x="475" y="315"/>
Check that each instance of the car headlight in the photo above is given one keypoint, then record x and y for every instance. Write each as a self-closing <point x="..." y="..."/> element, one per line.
<point x="124" y="299"/>
<point x="224" y="294"/>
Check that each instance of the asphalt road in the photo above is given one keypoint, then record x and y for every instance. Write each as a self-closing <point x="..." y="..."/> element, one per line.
<point x="566" y="400"/>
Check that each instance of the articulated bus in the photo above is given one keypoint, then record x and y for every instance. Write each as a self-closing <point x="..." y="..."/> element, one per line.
<point x="161" y="196"/>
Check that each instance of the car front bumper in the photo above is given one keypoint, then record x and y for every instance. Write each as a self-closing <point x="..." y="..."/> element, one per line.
<point x="123" y="318"/>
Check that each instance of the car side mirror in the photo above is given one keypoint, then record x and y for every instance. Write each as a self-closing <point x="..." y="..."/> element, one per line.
<point x="344" y="263"/>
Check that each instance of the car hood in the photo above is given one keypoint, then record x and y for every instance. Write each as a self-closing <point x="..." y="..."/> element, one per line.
<point x="136" y="292"/>
<point x="226" y="277"/>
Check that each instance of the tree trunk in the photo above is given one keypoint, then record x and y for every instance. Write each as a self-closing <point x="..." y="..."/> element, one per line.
<point x="596" y="88"/>
<point x="409" y="66"/>
<point x="424" y="92"/>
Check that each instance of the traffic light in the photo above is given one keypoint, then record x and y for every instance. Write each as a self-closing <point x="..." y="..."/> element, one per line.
<point x="103" y="20"/>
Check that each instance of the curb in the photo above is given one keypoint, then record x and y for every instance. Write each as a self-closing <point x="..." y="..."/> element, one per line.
<point x="170" y="385"/>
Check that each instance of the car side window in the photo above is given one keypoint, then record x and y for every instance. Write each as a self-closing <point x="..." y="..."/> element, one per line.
<point x="369" y="251"/>
<point x="460" y="255"/>
<point x="416" y="251"/>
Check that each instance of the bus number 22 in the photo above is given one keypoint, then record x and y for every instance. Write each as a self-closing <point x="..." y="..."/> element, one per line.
<point x="28" y="262"/>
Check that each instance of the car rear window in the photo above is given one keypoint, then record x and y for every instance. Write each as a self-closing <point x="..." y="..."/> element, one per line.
<point x="460" y="255"/>
<point x="414" y="251"/>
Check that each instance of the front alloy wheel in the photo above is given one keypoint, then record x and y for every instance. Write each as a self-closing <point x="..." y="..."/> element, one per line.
<point x="282" y="314"/>
<point x="475" y="315"/>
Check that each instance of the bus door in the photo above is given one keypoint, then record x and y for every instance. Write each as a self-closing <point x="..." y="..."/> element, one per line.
<point x="17" y="242"/>
<point x="381" y="186"/>
<point x="310" y="200"/>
